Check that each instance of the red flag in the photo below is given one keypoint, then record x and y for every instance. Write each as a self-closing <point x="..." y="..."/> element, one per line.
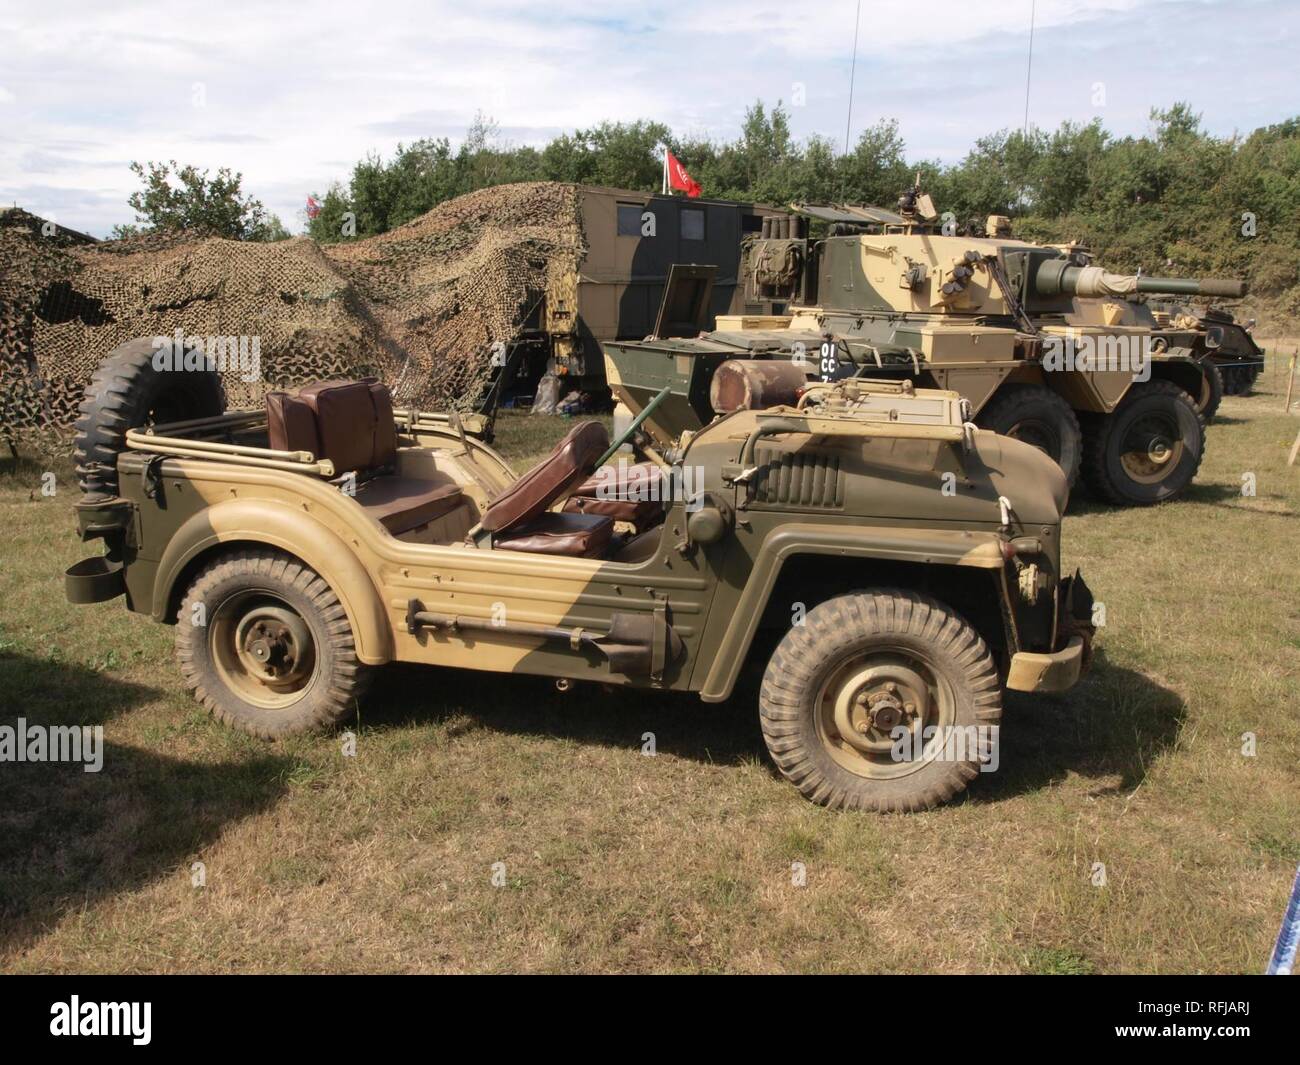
<point x="678" y="178"/>
<point x="313" y="207"/>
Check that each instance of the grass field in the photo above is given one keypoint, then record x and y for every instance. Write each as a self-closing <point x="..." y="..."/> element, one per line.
<point x="615" y="861"/>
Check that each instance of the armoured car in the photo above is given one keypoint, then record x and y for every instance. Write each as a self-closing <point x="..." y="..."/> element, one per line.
<point x="1045" y="346"/>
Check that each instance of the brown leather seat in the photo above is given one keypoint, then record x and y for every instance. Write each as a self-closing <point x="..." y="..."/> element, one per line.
<point x="641" y="512"/>
<point x="401" y="504"/>
<point x="568" y="464"/>
<point x="630" y="492"/>
<point x="350" y="423"/>
<point x="621" y="479"/>
<point x="575" y="535"/>
<point x="517" y="507"/>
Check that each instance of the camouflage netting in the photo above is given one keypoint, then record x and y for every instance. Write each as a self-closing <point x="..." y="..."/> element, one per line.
<point x="420" y="306"/>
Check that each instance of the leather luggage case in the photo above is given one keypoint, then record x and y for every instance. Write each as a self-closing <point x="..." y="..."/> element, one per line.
<point x="291" y="424"/>
<point x="346" y="422"/>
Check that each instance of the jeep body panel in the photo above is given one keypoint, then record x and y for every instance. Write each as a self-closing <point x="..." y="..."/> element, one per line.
<point x="886" y="482"/>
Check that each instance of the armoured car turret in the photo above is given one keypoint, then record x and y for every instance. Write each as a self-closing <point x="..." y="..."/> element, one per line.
<point x="1044" y="345"/>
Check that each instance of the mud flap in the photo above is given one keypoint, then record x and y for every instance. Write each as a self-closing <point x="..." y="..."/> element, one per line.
<point x="1076" y="600"/>
<point x="1074" y="616"/>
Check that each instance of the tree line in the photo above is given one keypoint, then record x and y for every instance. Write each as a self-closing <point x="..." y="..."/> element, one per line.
<point x="1176" y="199"/>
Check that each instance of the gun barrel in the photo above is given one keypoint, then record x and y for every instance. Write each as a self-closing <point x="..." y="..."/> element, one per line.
<point x="1057" y="277"/>
<point x="1227" y="288"/>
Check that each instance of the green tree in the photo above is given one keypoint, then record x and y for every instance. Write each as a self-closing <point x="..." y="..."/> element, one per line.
<point x="183" y="197"/>
<point x="328" y="225"/>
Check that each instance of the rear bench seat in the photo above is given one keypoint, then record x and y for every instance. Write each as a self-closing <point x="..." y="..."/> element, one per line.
<point x="350" y="423"/>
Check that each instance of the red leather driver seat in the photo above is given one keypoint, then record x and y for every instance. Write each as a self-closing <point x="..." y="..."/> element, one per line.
<point x="518" y="516"/>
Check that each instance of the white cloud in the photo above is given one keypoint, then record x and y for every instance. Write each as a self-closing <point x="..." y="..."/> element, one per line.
<point x="290" y="99"/>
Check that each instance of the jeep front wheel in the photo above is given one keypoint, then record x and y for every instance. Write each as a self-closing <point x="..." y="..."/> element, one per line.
<point x="881" y="700"/>
<point x="266" y="646"/>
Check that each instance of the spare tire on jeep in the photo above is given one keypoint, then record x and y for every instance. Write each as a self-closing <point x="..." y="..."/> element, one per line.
<point x="128" y="391"/>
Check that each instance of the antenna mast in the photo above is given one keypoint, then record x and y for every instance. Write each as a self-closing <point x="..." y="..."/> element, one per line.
<point x="1029" y="66"/>
<point x="853" y="69"/>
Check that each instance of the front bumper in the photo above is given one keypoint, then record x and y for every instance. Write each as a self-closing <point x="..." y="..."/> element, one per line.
<point x="1057" y="671"/>
<point x="1052" y="672"/>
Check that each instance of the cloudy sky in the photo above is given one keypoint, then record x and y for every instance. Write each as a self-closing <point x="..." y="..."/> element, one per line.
<point x="292" y="96"/>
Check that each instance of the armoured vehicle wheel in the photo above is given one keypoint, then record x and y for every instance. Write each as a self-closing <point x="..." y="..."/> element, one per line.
<point x="265" y="645"/>
<point x="1239" y="380"/>
<point x="1040" y="417"/>
<point x="875" y="701"/>
<point x="126" y="392"/>
<point x="1212" y="394"/>
<point x="1148" y="450"/>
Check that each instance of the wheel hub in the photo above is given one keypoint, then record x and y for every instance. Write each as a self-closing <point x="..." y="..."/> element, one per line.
<point x="1150" y="450"/>
<point x="876" y="701"/>
<point x="272" y="643"/>
<point x="1159" y="450"/>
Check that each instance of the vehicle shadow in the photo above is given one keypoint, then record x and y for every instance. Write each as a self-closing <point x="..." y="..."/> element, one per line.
<point x="1109" y="727"/>
<point x="603" y="715"/>
<point x="1219" y="495"/>
<point x="71" y="838"/>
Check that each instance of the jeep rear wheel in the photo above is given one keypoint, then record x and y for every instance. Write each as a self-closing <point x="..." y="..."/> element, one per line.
<point x="1148" y="450"/>
<point x="1038" y="417"/>
<point x="882" y="700"/>
<point x="266" y="646"/>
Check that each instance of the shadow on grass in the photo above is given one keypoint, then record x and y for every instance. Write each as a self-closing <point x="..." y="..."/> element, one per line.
<point x="589" y="713"/>
<point x="1111" y="726"/>
<point x="69" y="838"/>
<point x="1220" y="495"/>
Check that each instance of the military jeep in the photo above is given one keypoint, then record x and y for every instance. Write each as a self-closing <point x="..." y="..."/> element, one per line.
<point x="896" y="567"/>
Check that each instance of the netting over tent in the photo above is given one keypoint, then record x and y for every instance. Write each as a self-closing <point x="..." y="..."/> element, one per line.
<point x="420" y="306"/>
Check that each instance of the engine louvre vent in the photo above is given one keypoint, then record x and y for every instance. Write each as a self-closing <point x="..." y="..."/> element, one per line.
<point x="798" y="478"/>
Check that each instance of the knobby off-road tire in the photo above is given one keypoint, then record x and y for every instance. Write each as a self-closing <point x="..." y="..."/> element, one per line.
<point x="266" y="646"/>
<point x="1239" y="380"/>
<point x="1148" y="449"/>
<point x="126" y="392"/>
<point x="856" y="645"/>
<point x="1214" y="394"/>
<point x="1040" y="417"/>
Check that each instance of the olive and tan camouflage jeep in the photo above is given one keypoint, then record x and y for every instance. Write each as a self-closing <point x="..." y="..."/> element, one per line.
<point x="895" y="567"/>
